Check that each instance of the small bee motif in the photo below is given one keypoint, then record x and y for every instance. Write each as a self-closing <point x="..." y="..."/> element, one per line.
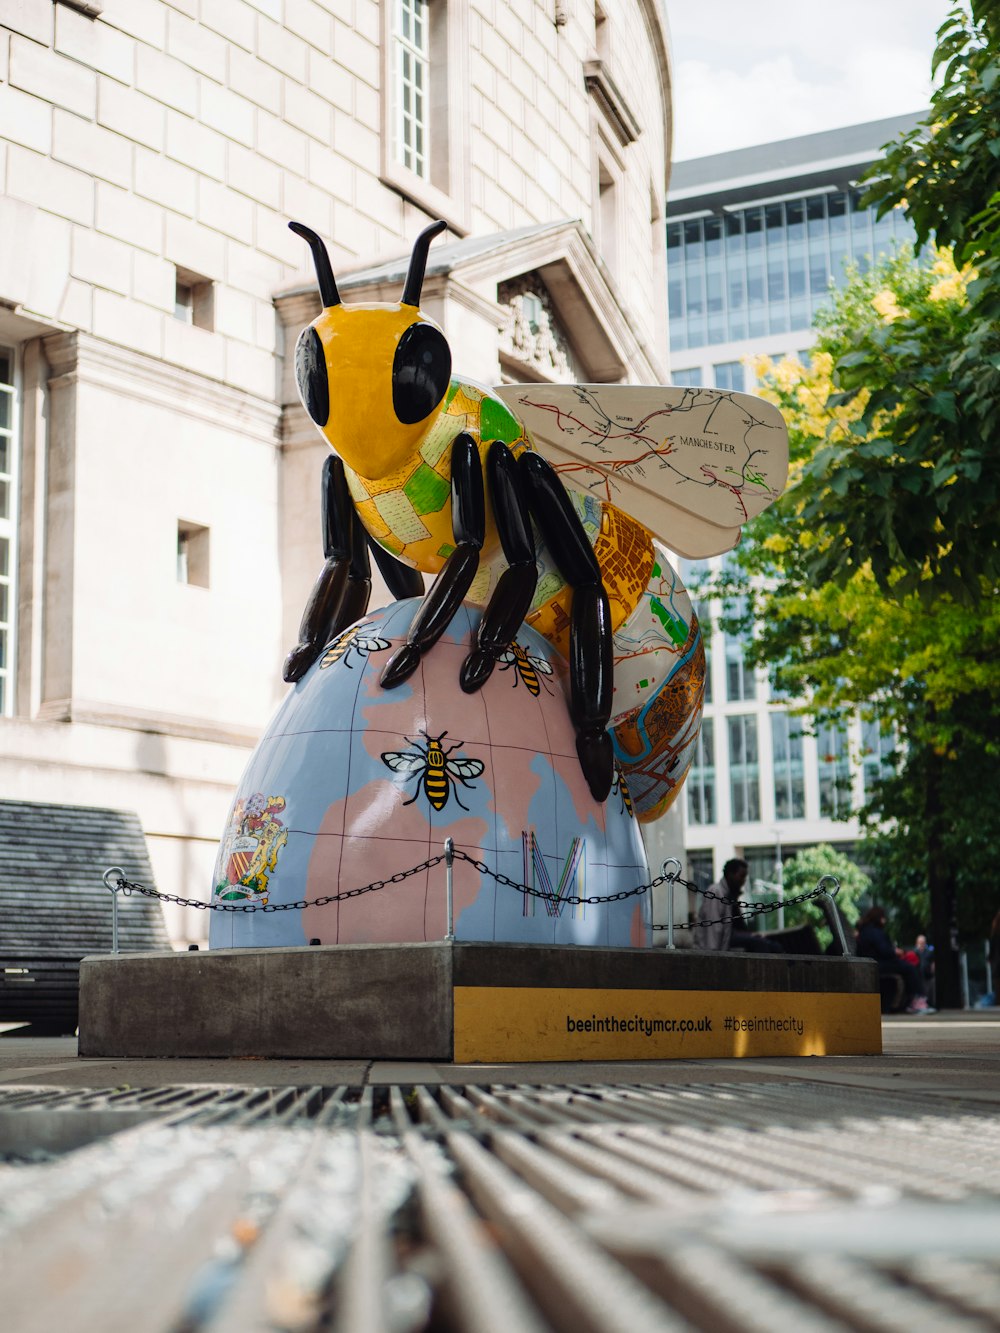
<point x="353" y="640"/>
<point x="526" y="667"/>
<point x="621" y="787"/>
<point x="430" y="765"/>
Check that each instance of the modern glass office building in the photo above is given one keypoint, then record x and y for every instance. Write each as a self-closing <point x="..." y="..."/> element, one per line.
<point x="755" y="238"/>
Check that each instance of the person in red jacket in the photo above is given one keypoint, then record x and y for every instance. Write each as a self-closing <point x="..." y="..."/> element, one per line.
<point x="874" y="942"/>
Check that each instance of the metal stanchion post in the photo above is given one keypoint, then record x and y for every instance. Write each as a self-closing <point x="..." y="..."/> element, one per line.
<point x="838" y="924"/>
<point x="449" y="858"/>
<point x="671" y="860"/>
<point x="118" y="874"/>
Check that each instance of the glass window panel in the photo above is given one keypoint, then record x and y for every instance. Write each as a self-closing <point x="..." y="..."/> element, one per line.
<point x="740" y="681"/>
<point x="729" y="375"/>
<point x="836" y="208"/>
<point x="713" y="287"/>
<point x="673" y="235"/>
<point x="678" y="335"/>
<point x="713" y="237"/>
<point x="702" y="611"/>
<point x="4" y="589"/>
<point x="796" y="275"/>
<point x="744" y="769"/>
<point x="834" y="771"/>
<point x="4" y="499"/>
<point x="5" y="455"/>
<point x="774" y="223"/>
<point x="753" y="221"/>
<point x="6" y="409"/>
<point x="795" y="218"/>
<point x="755" y="282"/>
<point x="692" y="239"/>
<point x="675" y="297"/>
<point x="816" y="216"/>
<point x="776" y="278"/>
<point x="789" y="771"/>
<point x="6" y="366"/>
<point x="695" y="297"/>
<point x="819" y="275"/>
<point x="687" y="378"/>
<point x="4" y="557"/>
<point x="701" y="778"/>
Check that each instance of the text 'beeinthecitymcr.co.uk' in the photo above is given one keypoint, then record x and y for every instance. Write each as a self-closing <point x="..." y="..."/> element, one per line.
<point x="638" y="1023"/>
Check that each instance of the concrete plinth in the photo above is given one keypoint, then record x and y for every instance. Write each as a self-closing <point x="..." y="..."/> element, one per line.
<point x="476" y="1003"/>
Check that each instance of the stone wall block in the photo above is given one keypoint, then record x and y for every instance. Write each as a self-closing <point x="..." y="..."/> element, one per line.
<point x="119" y="213"/>
<point x="25" y="119"/>
<point x="55" y="78"/>
<point x="94" y="44"/>
<point x="83" y="144"/>
<point x="254" y="80"/>
<point x="196" y="46"/>
<point x="195" y="247"/>
<point x="226" y="112"/>
<point x="311" y="22"/>
<point x="167" y="80"/>
<point x="196" y="146"/>
<point x="128" y="323"/>
<point x="226" y="211"/>
<point x="131" y="113"/>
<point x="165" y="182"/>
<point x="101" y="261"/>
<point x="282" y="143"/>
<point x="154" y="281"/>
<point x="233" y="19"/>
<point x="59" y="189"/>
<point x="250" y="175"/>
<point x="144" y="19"/>
<point x="28" y="18"/>
<point x="278" y="47"/>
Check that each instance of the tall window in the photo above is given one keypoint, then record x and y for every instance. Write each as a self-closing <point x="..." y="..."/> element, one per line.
<point x="687" y="379"/>
<point x="703" y="611"/>
<point x="701" y="778"/>
<point x="6" y="528"/>
<point x="412" y="57"/>
<point x="729" y="375"/>
<point x="834" y="770"/>
<point x="740" y="681"/>
<point x="789" y="774"/>
<point x="877" y="746"/>
<point x="744" y="769"/>
<point x="764" y="269"/>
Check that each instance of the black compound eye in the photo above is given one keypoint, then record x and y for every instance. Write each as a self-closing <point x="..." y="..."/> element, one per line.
<point x="421" y="372"/>
<point x="311" y="377"/>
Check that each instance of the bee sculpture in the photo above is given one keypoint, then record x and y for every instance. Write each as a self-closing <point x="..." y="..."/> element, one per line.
<point x="534" y="502"/>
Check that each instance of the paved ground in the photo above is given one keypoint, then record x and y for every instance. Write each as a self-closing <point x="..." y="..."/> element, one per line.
<point x="811" y="1195"/>
<point x="944" y="1054"/>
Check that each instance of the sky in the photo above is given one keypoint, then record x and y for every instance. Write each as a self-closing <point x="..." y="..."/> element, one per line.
<point x="750" y="73"/>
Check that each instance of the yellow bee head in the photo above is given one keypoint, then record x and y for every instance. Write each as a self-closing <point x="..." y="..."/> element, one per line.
<point x="372" y="377"/>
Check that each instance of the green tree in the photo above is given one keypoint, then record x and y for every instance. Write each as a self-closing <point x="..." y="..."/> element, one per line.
<point x="805" y="869"/>
<point x="888" y="630"/>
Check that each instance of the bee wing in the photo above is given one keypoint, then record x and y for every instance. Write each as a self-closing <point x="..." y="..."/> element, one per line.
<point x="368" y="643"/>
<point x="404" y="761"/>
<point x="464" y="768"/>
<point x="540" y="665"/>
<point x="508" y="657"/>
<point x="692" y="464"/>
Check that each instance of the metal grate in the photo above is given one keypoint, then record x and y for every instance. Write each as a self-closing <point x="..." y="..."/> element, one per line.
<point x="587" y="1208"/>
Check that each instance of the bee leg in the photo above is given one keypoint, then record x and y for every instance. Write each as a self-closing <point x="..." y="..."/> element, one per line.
<point x="590" y="658"/>
<point x="358" y="591"/>
<point x="320" y="614"/>
<point x="511" y="598"/>
<point x="401" y="580"/>
<point x="452" y="582"/>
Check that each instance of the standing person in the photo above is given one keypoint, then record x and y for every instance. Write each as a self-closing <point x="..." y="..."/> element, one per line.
<point x="723" y="925"/>
<point x="874" y="942"/>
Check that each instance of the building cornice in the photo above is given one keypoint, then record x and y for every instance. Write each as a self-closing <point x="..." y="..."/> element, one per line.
<point x="80" y="358"/>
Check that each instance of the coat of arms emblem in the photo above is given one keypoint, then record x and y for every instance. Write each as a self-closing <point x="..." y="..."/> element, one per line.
<point x="249" y="852"/>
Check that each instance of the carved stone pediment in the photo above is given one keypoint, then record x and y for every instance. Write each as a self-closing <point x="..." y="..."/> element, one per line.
<point x="531" y="332"/>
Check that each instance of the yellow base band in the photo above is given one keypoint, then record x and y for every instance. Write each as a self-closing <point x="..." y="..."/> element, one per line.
<point x="501" y="1024"/>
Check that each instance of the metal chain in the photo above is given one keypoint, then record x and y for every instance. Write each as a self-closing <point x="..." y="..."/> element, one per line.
<point x="128" y="887"/>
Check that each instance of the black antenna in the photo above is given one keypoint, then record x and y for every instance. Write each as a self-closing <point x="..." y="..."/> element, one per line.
<point x="418" y="262"/>
<point x="324" y="271"/>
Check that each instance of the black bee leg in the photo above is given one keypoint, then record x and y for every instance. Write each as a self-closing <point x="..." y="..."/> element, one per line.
<point x="358" y="591"/>
<point x="512" y="596"/>
<point x="320" y="614"/>
<point x="590" y="656"/>
<point x="401" y="580"/>
<point x="452" y="582"/>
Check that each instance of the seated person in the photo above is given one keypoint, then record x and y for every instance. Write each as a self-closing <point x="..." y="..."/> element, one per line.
<point x="723" y="925"/>
<point x="874" y="942"/>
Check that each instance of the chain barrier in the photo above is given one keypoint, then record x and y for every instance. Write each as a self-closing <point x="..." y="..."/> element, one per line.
<point x="126" y="887"/>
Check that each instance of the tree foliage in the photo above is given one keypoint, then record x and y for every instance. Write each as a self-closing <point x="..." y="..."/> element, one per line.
<point x="806" y="868"/>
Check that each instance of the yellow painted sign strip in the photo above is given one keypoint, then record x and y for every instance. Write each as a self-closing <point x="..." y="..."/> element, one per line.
<point x="498" y="1024"/>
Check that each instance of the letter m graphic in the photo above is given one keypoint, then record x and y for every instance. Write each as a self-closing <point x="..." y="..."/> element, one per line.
<point x="572" y="879"/>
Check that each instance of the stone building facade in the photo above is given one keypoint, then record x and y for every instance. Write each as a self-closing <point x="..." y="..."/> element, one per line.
<point x="159" y="482"/>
